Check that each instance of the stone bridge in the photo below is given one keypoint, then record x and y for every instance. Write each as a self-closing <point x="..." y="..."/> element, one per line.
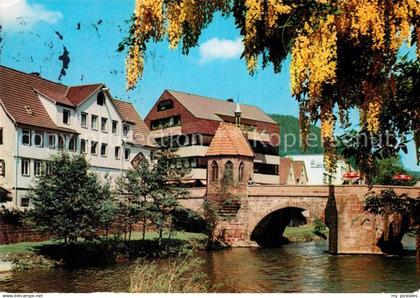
<point x="264" y="212"/>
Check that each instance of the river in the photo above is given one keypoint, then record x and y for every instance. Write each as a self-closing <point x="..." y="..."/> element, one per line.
<point x="295" y="267"/>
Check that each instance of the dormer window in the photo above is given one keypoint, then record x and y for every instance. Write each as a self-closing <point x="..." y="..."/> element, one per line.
<point x="165" y="105"/>
<point x="100" y="99"/>
<point x="66" y="116"/>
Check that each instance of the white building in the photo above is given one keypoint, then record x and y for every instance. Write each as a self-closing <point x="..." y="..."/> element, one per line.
<point x="316" y="172"/>
<point x="39" y="118"/>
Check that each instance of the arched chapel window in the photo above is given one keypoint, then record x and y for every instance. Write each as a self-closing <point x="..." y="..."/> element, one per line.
<point x="241" y="172"/>
<point x="214" y="171"/>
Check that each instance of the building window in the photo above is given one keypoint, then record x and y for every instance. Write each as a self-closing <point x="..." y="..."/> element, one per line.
<point x="26" y="137"/>
<point x="94" y="122"/>
<point x="61" y="142"/>
<point x="214" y="171"/>
<point x="1" y="135"/>
<point x="127" y="154"/>
<point x="104" y="124"/>
<point x="24" y="202"/>
<point x="104" y="148"/>
<point x="38" y="138"/>
<point x="73" y="144"/>
<point x="241" y="172"/>
<point x="114" y="126"/>
<point x="82" y="146"/>
<point x="264" y="168"/>
<point x="2" y="168"/>
<point x="100" y="98"/>
<point x="84" y="120"/>
<point x="94" y="148"/>
<point x="37" y="167"/>
<point x="117" y="152"/>
<point x="166" y="122"/>
<point x="126" y="130"/>
<point x="52" y="141"/>
<point x="165" y="105"/>
<point x="25" y="164"/>
<point x="228" y="173"/>
<point x="66" y="116"/>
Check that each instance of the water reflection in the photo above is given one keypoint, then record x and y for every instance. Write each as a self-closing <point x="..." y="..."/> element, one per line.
<point x="292" y="268"/>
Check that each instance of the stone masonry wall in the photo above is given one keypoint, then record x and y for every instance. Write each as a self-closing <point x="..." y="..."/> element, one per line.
<point x="10" y="234"/>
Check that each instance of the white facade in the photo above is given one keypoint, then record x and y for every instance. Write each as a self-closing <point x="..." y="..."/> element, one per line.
<point x="317" y="174"/>
<point x="108" y="147"/>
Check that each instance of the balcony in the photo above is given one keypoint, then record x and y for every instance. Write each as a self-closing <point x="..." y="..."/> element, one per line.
<point x="257" y="136"/>
<point x="168" y="131"/>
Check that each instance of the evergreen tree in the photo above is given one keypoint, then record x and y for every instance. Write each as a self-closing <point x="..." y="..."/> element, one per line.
<point x="69" y="201"/>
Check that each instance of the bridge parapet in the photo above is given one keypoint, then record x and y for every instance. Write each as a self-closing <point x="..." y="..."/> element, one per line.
<point x="323" y="190"/>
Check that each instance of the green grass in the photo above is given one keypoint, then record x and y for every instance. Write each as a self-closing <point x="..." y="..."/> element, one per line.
<point x="175" y="235"/>
<point x="24" y="247"/>
<point x="301" y="234"/>
<point x="302" y="230"/>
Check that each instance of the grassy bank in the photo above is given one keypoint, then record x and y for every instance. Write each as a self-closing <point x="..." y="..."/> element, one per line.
<point x="46" y="254"/>
<point x="24" y="247"/>
<point x="301" y="234"/>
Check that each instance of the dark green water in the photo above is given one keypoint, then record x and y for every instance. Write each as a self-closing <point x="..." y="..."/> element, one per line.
<point x="303" y="267"/>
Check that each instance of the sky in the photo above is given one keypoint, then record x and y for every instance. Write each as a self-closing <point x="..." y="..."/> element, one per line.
<point x="34" y="33"/>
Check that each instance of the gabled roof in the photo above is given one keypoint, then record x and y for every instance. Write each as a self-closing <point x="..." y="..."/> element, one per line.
<point x="298" y="167"/>
<point x="229" y="140"/>
<point x="141" y="131"/>
<point x="285" y="169"/>
<point x="77" y="94"/>
<point x="210" y="108"/>
<point x="19" y="98"/>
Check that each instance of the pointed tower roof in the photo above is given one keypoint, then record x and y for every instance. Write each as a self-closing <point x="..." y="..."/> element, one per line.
<point x="229" y="140"/>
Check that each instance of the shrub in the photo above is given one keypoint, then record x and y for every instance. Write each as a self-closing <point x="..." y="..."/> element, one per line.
<point x="183" y="275"/>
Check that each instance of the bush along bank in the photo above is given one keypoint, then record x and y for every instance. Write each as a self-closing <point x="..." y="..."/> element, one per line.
<point x="99" y="252"/>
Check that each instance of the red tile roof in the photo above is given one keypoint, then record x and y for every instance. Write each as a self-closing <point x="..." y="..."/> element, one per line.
<point x="77" y="94"/>
<point x="204" y="107"/>
<point x="298" y="166"/>
<point x="19" y="99"/>
<point x="229" y="140"/>
<point x="18" y="96"/>
<point x="141" y="131"/>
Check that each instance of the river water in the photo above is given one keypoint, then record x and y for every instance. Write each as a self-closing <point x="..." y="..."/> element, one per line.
<point x="295" y="267"/>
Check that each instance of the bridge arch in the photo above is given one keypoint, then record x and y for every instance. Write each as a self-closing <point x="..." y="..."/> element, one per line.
<point x="270" y="218"/>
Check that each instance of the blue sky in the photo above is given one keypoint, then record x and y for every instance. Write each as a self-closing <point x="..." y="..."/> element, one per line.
<point x="212" y="69"/>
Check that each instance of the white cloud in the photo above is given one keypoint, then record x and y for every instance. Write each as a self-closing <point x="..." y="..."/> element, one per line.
<point x="220" y="49"/>
<point x="17" y="14"/>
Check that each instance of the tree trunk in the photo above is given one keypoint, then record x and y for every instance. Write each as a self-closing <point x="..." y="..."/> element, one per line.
<point x="170" y="230"/>
<point x="129" y="232"/>
<point x="160" y="235"/>
<point x="418" y="252"/>
<point x="144" y="228"/>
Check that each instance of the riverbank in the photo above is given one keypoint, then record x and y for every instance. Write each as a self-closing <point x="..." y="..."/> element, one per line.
<point x="49" y="254"/>
<point x="301" y="234"/>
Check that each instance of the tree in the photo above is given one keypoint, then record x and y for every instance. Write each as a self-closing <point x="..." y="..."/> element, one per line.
<point x="167" y="188"/>
<point x="133" y="189"/>
<point x="344" y="54"/>
<point x="387" y="169"/>
<point x="152" y="190"/>
<point x="406" y="212"/>
<point x="69" y="200"/>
